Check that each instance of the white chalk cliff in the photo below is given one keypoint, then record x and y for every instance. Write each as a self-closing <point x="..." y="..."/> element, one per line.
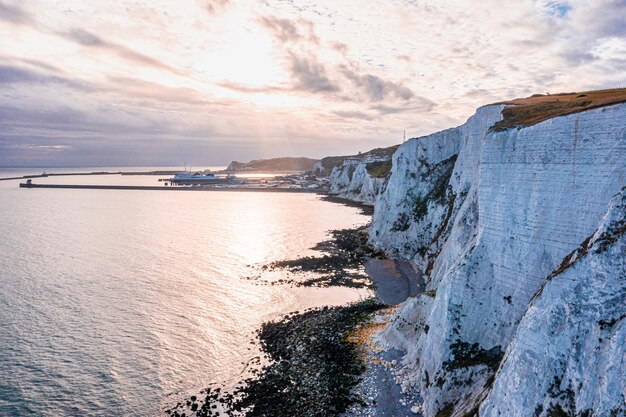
<point x="356" y="178"/>
<point x="352" y="181"/>
<point x="520" y="235"/>
<point x="568" y="352"/>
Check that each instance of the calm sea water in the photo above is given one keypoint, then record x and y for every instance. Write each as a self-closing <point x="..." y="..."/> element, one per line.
<point x="124" y="302"/>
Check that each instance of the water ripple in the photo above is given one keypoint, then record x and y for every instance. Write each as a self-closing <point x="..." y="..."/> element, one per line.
<point x="122" y="302"/>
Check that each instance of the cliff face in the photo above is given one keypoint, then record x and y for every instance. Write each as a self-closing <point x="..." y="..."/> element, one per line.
<point x="429" y="182"/>
<point x="352" y="181"/>
<point x="574" y="331"/>
<point x="489" y="216"/>
<point x="361" y="177"/>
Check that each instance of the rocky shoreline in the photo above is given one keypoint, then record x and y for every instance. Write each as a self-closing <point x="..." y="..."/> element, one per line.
<point x="311" y="361"/>
<point x="342" y="263"/>
<point x="366" y="209"/>
<point x="314" y="364"/>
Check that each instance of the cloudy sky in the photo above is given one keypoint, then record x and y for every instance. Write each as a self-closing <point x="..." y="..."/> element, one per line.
<point x="156" y="82"/>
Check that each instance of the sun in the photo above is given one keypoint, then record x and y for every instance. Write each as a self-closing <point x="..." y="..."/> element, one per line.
<point x="246" y="56"/>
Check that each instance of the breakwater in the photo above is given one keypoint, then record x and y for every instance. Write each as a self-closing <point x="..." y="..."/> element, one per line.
<point x="168" y="188"/>
<point x="69" y="174"/>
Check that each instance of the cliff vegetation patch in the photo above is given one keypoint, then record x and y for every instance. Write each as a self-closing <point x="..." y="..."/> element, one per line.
<point x="538" y="108"/>
<point x="379" y="169"/>
<point x="441" y="172"/>
<point x="466" y="355"/>
<point x="331" y="162"/>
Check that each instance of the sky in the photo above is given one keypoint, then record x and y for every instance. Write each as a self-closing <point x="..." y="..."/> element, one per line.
<point x="204" y="82"/>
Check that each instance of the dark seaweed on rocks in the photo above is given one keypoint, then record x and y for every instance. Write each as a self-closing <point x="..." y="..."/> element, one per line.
<point x="341" y="265"/>
<point x="366" y="209"/>
<point x="312" y="371"/>
<point x="314" y="367"/>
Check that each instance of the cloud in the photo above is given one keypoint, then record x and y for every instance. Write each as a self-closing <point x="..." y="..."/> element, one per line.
<point x="376" y="88"/>
<point x="18" y="75"/>
<point x="213" y="6"/>
<point x="479" y="93"/>
<point x="84" y="120"/>
<point x="340" y="47"/>
<point x="12" y="75"/>
<point x="599" y="19"/>
<point x="309" y="74"/>
<point x="354" y="74"/>
<point x="14" y="14"/>
<point x="91" y="40"/>
<point x="581" y="28"/>
<point x="40" y="64"/>
<point x="577" y="57"/>
<point x="283" y="29"/>
<point x="286" y="30"/>
<point x="252" y="89"/>
<point x="142" y="89"/>
<point x="55" y="120"/>
<point x="97" y="150"/>
<point x="353" y="115"/>
<point x="417" y="104"/>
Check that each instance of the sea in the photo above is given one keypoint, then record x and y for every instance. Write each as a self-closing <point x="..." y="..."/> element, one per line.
<point x="124" y="302"/>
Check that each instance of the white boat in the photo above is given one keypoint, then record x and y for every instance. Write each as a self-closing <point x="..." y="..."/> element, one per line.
<point x="204" y="177"/>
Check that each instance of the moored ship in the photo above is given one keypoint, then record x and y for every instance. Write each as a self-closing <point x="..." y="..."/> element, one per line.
<point x="200" y="178"/>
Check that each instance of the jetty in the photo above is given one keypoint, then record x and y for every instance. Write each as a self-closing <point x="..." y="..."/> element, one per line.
<point x="172" y="188"/>
<point x="68" y="174"/>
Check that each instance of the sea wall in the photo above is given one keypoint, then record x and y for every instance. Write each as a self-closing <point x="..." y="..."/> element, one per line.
<point x="489" y="216"/>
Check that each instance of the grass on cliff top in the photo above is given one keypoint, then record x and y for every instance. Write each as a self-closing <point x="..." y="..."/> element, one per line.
<point x="332" y="161"/>
<point x="379" y="169"/>
<point x="538" y="108"/>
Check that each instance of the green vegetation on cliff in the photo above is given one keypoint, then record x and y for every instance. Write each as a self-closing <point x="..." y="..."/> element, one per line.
<point x="274" y="164"/>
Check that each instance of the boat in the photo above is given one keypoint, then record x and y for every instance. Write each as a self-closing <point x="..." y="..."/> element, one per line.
<point x="200" y="178"/>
